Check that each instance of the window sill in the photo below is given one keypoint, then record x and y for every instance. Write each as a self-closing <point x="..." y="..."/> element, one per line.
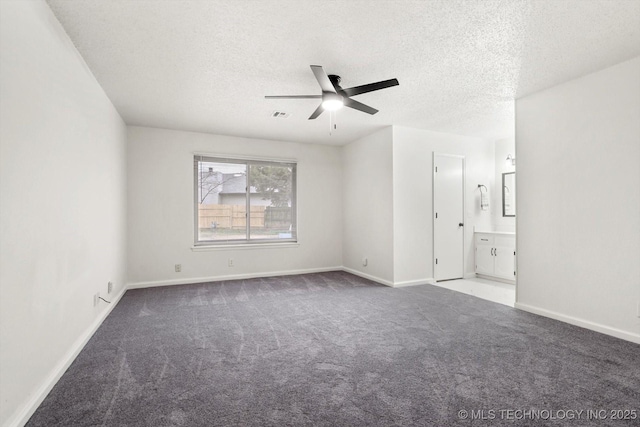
<point x="206" y="248"/>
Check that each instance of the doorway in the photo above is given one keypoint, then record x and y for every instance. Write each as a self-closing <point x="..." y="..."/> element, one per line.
<point x="448" y="216"/>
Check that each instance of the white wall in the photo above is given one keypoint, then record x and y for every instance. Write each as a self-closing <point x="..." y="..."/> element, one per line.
<point x="579" y="200"/>
<point x="161" y="216"/>
<point x="62" y="202"/>
<point x="367" y="184"/>
<point x="413" y="197"/>
<point x="503" y="147"/>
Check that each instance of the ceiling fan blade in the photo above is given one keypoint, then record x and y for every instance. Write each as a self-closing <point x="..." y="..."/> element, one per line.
<point x="322" y="79"/>
<point x="293" y="96"/>
<point x="316" y="113"/>
<point x="348" y="102"/>
<point x="357" y="90"/>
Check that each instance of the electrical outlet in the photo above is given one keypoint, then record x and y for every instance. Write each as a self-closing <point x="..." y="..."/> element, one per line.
<point x="230" y="262"/>
<point x="109" y="287"/>
<point x="96" y="299"/>
<point x="365" y="262"/>
<point x="178" y="268"/>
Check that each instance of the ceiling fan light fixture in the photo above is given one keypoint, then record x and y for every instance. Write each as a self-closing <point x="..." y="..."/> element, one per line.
<point x="332" y="102"/>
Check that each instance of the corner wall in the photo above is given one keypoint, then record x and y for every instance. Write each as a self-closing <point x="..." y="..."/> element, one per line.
<point x="578" y="219"/>
<point x="161" y="209"/>
<point x="367" y="176"/>
<point x="62" y="204"/>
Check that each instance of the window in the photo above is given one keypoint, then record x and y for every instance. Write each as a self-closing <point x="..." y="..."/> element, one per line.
<point x="244" y="201"/>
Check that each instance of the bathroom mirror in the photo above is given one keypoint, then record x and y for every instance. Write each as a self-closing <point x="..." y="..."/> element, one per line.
<point x="509" y="194"/>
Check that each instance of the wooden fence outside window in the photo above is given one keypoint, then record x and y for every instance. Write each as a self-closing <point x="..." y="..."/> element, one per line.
<point x="234" y="216"/>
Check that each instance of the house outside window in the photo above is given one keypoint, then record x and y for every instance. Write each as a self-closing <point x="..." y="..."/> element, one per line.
<point x="244" y="201"/>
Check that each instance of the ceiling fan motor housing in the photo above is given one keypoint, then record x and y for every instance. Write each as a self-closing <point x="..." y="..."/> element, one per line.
<point x="335" y="80"/>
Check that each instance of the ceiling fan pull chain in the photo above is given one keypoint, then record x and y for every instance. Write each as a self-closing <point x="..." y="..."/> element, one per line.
<point x="330" y="120"/>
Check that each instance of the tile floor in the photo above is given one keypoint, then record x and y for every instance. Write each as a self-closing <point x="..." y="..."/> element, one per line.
<point x="502" y="293"/>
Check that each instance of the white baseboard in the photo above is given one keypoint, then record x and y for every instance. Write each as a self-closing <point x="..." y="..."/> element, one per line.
<point x="190" y="280"/>
<point x="388" y="282"/>
<point x="187" y="281"/>
<point x="367" y="276"/>
<point x="22" y="416"/>
<point x="614" y="332"/>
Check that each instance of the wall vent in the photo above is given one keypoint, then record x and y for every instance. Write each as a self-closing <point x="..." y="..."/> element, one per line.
<point x="280" y="115"/>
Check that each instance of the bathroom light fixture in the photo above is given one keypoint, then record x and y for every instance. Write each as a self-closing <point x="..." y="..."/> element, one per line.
<point x="512" y="158"/>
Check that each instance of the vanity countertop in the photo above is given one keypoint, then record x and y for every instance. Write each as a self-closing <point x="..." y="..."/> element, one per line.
<point x="507" y="233"/>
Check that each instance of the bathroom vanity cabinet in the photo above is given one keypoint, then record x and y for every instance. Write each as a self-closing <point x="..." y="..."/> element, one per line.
<point x="496" y="255"/>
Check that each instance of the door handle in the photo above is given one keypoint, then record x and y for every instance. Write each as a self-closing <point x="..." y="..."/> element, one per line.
<point x="491" y="251"/>
<point x="460" y="225"/>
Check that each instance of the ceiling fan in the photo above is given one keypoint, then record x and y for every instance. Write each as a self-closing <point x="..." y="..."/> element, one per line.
<point x="334" y="97"/>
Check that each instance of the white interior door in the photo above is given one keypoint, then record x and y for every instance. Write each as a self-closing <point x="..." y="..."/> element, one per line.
<point x="448" y="216"/>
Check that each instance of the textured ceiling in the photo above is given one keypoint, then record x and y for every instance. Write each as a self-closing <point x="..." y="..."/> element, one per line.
<point x="206" y="65"/>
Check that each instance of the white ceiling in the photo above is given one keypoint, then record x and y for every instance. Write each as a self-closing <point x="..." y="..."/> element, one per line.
<point x="206" y="65"/>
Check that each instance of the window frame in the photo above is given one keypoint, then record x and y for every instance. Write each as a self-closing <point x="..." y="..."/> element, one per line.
<point x="248" y="162"/>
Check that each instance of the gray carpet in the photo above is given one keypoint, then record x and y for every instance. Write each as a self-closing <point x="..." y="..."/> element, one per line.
<point x="332" y="349"/>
